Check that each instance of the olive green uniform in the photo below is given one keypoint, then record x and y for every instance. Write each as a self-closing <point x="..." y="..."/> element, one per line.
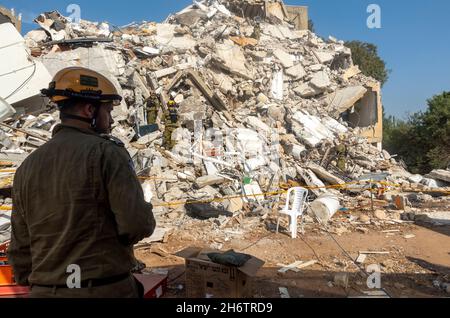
<point x="257" y="32"/>
<point x="153" y="106"/>
<point x="341" y="151"/>
<point x="171" y="123"/>
<point x="77" y="200"/>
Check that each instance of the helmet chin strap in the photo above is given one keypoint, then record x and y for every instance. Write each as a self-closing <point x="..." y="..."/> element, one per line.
<point x="92" y="121"/>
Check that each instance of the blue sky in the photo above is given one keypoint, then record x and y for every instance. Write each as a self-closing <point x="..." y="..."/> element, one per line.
<point x="414" y="39"/>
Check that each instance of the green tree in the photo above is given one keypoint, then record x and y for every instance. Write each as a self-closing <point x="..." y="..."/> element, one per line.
<point x="423" y="140"/>
<point x="365" y="55"/>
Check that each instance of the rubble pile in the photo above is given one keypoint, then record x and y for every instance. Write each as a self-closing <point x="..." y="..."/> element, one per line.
<point x="260" y="107"/>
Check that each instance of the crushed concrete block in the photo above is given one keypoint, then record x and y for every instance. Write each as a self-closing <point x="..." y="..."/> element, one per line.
<point x="345" y="98"/>
<point x="294" y="151"/>
<point x="262" y="99"/>
<point x="351" y="72"/>
<point x="324" y="57"/>
<point x="257" y="124"/>
<point x="276" y="113"/>
<point x="380" y="214"/>
<point x="442" y="175"/>
<point x="286" y="59"/>
<point x="166" y="37"/>
<point x="324" y="175"/>
<point x="6" y="110"/>
<point x="20" y="70"/>
<point x="297" y="71"/>
<point x="208" y="181"/>
<point x="321" y="80"/>
<point x="280" y="31"/>
<point x="305" y="90"/>
<point x="36" y="37"/>
<point x="165" y="72"/>
<point x="190" y="17"/>
<point x="233" y="58"/>
<point x="316" y="67"/>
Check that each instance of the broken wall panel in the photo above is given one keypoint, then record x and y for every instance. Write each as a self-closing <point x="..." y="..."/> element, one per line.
<point x="298" y="15"/>
<point x="22" y="77"/>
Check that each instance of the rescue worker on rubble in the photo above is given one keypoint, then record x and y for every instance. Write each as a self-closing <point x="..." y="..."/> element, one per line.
<point x="341" y="153"/>
<point x="78" y="205"/>
<point x="257" y="30"/>
<point x="171" y="123"/>
<point x="153" y="106"/>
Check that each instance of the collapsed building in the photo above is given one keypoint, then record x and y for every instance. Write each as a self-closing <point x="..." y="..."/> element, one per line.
<point x="256" y="111"/>
<point x="9" y="16"/>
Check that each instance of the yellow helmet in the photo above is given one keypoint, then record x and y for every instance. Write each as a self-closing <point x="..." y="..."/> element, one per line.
<point x="81" y="83"/>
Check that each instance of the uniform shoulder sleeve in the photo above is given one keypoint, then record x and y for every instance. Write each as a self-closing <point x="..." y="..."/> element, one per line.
<point x="133" y="215"/>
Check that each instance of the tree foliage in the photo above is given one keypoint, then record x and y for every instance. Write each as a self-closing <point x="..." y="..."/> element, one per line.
<point x="423" y="140"/>
<point x="365" y="55"/>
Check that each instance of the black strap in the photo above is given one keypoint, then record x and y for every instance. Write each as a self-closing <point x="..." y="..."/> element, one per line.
<point x="92" y="282"/>
<point x="91" y="95"/>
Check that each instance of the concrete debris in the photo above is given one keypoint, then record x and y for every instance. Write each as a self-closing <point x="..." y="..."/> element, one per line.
<point x="442" y="175"/>
<point x="22" y="76"/>
<point x="255" y="110"/>
<point x="297" y="72"/>
<point x="286" y="59"/>
<point x="208" y="180"/>
<point x="321" y="80"/>
<point x="345" y="98"/>
<point x="324" y="57"/>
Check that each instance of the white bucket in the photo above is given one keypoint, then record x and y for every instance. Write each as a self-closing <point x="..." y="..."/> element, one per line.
<point x="325" y="207"/>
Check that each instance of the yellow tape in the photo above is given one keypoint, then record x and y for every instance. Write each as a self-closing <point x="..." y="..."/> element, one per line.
<point x="344" y="186"/>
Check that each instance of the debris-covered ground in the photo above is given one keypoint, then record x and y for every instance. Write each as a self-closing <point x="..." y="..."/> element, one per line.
<point x="262" y="108"/>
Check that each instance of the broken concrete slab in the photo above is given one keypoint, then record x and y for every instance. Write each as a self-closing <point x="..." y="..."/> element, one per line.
<point x="6" y="110"/>
<point x="22" y="76"/>
<point x="208" y="181"/>
<point x="233" y="59"/>
<point x="165" y="36"/>
<point x="345" y="98"/>
<point x="258" y="125"/>
<point x="351" y="72"/>
<point x="321" y="80"/>
<point x="286" y="59"/>
<point x="296" y="71"/>
<point x="306" y="90"/>
<point x="324" y="175"/>
<point x="280" y="31"/>
<point x="324" y="57"/>
<point x="442" y="175"/>
<point x="190" y="17"/>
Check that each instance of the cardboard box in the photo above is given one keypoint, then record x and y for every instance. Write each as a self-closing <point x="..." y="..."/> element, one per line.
<point x="155" y="285"/>
<point x="205" y="279"/>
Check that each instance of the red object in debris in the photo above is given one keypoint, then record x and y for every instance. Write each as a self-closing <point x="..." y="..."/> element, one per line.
<point x="8" y="288"/>
<point x="14" y="291"/>
<point x="155" y="285"/>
